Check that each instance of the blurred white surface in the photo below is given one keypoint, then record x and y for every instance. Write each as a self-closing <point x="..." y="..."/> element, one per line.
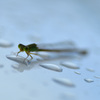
<point x="50" y="21"/>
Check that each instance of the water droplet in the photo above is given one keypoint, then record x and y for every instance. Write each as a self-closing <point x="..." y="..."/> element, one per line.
<point x="4" y="43"/>
<point x="97" y="77"/>
<point x="70" y="65"/>
<point x="18" y="59"/>
<point x="52" y="67"/>
<point x="89" y="80"/>
<point x="64" y="81"/>
<point x="77" y="73"/>
<point x="90" y="69"/>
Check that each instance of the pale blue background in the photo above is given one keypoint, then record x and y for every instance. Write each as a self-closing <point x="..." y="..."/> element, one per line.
<point x="51" y="21"/>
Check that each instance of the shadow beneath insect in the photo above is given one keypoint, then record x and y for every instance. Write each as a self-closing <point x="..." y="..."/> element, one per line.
<point x="21" y="67"/>
<point x="35" y="64"/>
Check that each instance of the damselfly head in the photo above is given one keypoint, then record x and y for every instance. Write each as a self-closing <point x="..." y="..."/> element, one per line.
<point x="21" y="47"/>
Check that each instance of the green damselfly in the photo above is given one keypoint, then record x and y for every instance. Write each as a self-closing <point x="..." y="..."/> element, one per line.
<point x="57" y="47"/>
